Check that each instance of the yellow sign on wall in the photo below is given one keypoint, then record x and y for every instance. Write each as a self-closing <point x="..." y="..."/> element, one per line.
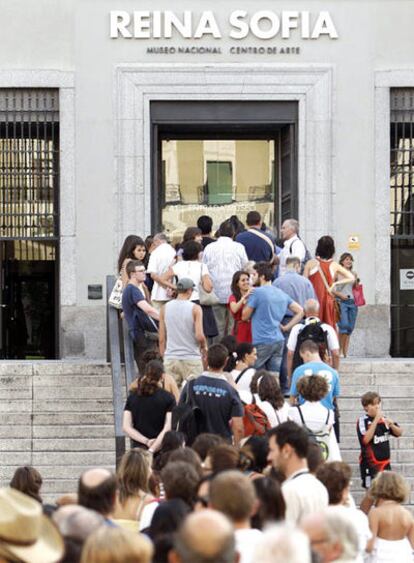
<point x="353" y="242"/>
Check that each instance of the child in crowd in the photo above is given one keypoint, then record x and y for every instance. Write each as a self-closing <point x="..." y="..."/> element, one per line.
<point x="374" y="431"/>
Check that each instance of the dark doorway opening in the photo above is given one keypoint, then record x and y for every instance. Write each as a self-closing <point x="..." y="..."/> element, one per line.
<point x="402" y="222"/>
<point x="29" y="223"/>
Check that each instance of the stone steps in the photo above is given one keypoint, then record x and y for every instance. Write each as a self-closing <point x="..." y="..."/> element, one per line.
<point x="57" y="416"/>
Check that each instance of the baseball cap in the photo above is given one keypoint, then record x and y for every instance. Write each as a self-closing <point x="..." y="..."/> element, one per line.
<point x="185" y="284"/>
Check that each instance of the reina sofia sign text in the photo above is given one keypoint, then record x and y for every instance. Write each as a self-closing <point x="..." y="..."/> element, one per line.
<point x="264" y="24"/>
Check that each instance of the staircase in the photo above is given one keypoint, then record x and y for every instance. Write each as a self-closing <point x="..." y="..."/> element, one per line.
<point x="57" y="416"/>
<point x="393" y="380"/>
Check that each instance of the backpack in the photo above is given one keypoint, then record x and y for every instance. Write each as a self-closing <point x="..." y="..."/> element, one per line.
<point x="187" y="417"/>
<point x="307" y="257"/>
<point x="321" y="437"/>
<point x="311" y="331"/>
<point x="255" y="421"/>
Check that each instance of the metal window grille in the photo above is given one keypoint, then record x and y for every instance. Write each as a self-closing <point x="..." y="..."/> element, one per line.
<point x="402" y="163"/>
<point x="29" y="167"/>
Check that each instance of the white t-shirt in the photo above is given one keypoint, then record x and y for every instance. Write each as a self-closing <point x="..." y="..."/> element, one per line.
<point x="244" y="382"/>
<point x="246" y="542"/>
<point x="331" y="335"/>
<point x="304" y="494"/>
<point x="291" y="247"/>
<point x="274" y="417"/>
<point x="192" y="269"/>
<point x="147" y="514"/>
<point x="160" y="261"/>
<point x="314" y="414"/>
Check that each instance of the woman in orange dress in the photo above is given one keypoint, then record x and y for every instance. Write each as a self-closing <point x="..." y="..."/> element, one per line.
<point x="321" y="272"/>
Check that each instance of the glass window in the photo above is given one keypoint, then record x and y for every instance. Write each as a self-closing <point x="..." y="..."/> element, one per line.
<point x="219" y="178"/>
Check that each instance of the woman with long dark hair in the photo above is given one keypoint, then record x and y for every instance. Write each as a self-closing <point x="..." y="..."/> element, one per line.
<point x="264" y="385"/>
<point x="133" y="249"/>
<point x="147" y="413"/>
<point x="322" y="271"/>
<point x="240" y="291"/>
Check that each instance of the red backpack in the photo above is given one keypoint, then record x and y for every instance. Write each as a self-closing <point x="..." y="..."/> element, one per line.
<point x="255" y="421"/>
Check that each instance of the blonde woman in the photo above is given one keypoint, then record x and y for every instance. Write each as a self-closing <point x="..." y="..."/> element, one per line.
<point x="133" y="488"/>
<point x="392" y="526"/>
<point x="116" y="545"/>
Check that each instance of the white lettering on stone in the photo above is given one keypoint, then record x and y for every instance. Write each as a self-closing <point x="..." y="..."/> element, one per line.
<point x="289" y="21"/>
<point x="305" y="25"/>
<point x="324" y="26"/>
<point x="142" y="28"/>
<point x="272" y="29"/>
<point x="184" y="27"/>
<point x="207" y="26"/>
<point x="236" y="22"/>
<point x="119" y="21"/>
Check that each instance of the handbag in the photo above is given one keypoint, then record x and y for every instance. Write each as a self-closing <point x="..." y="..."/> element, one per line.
<point x="358" y="293"/>
<point x="115" y="299"/>
<point x="206" y="298"/>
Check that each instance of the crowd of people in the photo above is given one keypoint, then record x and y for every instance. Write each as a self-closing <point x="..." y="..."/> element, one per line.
<point x="233" y="420"/>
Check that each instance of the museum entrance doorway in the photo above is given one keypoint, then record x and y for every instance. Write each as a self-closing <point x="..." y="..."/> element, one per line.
<point x="222" y="159"/>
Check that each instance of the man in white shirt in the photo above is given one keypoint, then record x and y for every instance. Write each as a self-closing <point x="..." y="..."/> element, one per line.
<point x="311" y="309"/>
<point x="303" y="493"/>
<point x="223" y="258"/>
<point x="233" y="494"/>
<point x="161" y="259"/>
<point x="292" y="244"/>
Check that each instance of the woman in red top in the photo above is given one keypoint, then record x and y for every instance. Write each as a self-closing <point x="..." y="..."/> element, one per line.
<point x="321" y="272"/>
<point x="240" y="288"/>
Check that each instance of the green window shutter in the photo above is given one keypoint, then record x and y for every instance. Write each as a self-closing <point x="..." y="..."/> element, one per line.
<point x="219" y="182"/>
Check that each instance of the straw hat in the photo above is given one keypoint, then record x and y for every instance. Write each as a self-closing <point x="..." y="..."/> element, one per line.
<point x="25" y="533"/>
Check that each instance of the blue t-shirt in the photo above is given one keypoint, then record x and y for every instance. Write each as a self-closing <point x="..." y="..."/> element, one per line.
<point x="257" y="249"/>
<point x="318" y="368"/>
<point x="270" y="305"/>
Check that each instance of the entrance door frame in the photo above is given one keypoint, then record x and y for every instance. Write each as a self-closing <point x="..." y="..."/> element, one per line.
<point x="204" y="120"/>
<point x="64" y="81"/>
<point x="137" y="85"/>
<point x="385" y="80"/>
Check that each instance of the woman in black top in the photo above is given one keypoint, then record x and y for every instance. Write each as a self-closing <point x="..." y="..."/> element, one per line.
<point x="147" y="413"/>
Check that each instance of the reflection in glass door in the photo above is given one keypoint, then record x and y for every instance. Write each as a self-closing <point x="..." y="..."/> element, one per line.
<point x="219" y="178"/>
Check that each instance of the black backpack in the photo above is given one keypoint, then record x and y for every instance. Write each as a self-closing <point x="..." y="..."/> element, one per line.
<point x="187" y="417"/>
<point x="311" y="331"/>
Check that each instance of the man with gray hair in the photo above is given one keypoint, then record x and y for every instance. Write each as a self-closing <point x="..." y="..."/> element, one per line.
<point x="161" y="259"/>
<point x="283" y="543"/>
<point x="205" y="537"/>
<point x="76" y="523"/>
<point x="292" y="245"/>
<point x="332" y="535"/>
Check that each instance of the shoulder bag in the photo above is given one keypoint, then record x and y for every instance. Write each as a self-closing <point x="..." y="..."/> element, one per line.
<point x="115" y="299"/>
<point x="206" y="298"/>
<point x="264" y="237"/>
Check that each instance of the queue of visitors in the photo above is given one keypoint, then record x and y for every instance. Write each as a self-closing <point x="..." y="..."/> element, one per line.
<point x="233" y="420"/>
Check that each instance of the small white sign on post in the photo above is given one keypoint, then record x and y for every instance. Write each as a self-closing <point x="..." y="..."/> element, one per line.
<point x="407" y="279"/>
